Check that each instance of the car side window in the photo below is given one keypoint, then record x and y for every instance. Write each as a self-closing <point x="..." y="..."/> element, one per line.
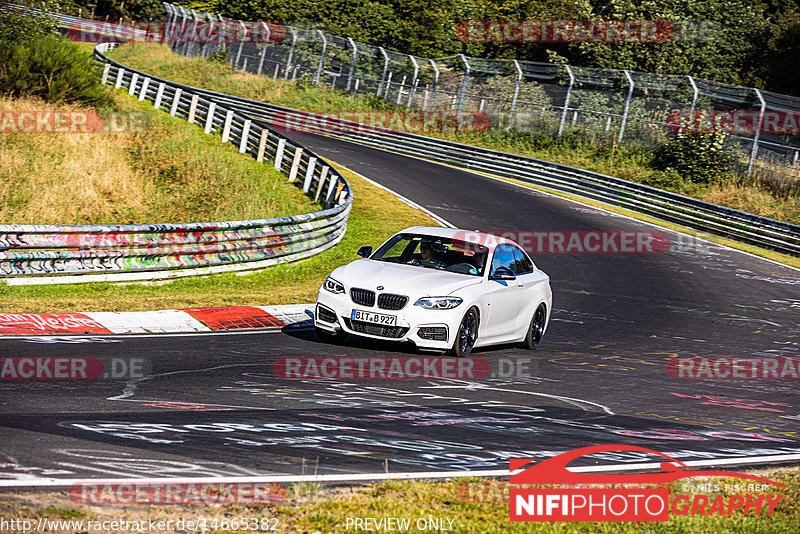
<point x="503" y="257"/>
<point x="523" y="263"/>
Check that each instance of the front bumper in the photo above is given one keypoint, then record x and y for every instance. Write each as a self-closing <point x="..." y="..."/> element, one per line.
<point x="430" y="329"/>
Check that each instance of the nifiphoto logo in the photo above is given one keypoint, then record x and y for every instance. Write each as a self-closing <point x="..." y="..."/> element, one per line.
<point x="625" y="503"/>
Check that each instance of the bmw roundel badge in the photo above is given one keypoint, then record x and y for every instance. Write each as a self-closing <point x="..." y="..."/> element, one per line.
<point x="380" y="288"/>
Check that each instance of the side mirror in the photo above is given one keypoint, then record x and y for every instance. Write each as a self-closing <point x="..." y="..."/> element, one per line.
<point x="503" y="273"/>
<point x="365" y="252"/>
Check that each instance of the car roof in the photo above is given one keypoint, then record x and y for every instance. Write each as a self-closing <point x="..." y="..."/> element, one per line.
<point x="476" y="236"/>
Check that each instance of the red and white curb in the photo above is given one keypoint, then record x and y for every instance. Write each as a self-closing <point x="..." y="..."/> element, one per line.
<point x="187" y="320"/>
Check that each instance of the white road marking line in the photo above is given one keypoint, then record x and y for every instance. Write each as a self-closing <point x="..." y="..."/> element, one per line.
<point x="366" y="477"/>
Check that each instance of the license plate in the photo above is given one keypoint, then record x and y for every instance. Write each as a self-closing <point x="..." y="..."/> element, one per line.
<point x="371" y="317"/>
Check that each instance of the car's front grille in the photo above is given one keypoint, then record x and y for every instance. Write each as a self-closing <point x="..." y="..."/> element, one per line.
<point x="434" y="333"/>
<point x="364" y="297"/>
<point x="375" y="329"/>
<point x="388" y="301"/>
<point x="325" y="314"/>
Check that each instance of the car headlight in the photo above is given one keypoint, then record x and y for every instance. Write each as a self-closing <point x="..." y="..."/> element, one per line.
<point x="438" y="303"/>
<point x="332" y="285"/>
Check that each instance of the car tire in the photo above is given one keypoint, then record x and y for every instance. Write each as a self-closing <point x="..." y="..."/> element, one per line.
<point x="536" y="328"/>
<point x="467" y="334"/>
<point x="330" y="337"/>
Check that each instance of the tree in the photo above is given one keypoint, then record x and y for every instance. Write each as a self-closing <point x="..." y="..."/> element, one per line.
<point x="726" y="50"/>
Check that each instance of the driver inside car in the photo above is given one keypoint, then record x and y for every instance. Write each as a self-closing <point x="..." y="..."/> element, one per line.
<point x="427" y="257"/>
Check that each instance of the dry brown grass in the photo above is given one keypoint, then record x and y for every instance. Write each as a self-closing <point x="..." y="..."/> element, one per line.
<point x="753" y="199"/>
<point x="53" y="178"/>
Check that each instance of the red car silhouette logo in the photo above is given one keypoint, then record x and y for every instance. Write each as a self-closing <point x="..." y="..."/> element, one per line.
<point x="554" y="470"/>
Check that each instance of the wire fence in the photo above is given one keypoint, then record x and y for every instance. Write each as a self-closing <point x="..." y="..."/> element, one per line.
<point x="617" y="106"/>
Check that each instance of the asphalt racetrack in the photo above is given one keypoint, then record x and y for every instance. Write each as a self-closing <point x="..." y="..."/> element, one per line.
<point x="213" y="405"/>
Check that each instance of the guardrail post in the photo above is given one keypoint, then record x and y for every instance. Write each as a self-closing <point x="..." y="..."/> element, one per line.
<point x="414" y="80"/>
<point x="291" y="52"/>
<point x="754" y="151"/>
<point x="352" y="63"/>
<point x="262" y="144"/>
<point x="464" y="81"/>
<point x="212" y="108"/>
<point x="106" y="70"/>
<point x="279" y="153"/>
<point x="516" y="95"/>
<point x="264" y="48"/>
<point x="322" y="176"/>
<point x="385" y="69"/>
<point x="175" y="99"/>
<point x="566" y="100"/>
<point x="309" y="174"/>
<point x="331" y="190"/>
<point x="132" y="86"/>
<point x="143" y="91"/>
<point x="245" y="136"/>
<point x="120" y="75"/>
<point x="226" y="130"/>
<point x="433" y="86"/>
<point x="193" y="108"/>
<point x="321" y="57"/>
<point x="627" y="106"/>
<point x="298" y="154"/>
<point x="159" y="96"/>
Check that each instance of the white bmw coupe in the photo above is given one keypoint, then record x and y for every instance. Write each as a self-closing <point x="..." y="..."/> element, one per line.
<point x="440" y="288"/>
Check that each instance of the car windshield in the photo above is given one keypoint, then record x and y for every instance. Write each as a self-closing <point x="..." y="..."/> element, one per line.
<point x="432" y="252"/>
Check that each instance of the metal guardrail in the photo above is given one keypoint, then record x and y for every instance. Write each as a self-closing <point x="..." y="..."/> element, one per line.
<point x="727" y="222"/>
<point x="693" y="213"/>
<point x="523" y="95"/>
<point x="35" y="254"/>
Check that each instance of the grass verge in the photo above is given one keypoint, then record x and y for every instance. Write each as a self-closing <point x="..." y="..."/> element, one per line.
<point x="150" y="168"/>
<point x="375" y="216"/>
<point x="462" y="505"/>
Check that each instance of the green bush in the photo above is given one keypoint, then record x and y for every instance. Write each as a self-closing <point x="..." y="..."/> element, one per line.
<point x="696" y="157"/>
<point x="53" y="69"/>
<point x="18" y="26"/>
